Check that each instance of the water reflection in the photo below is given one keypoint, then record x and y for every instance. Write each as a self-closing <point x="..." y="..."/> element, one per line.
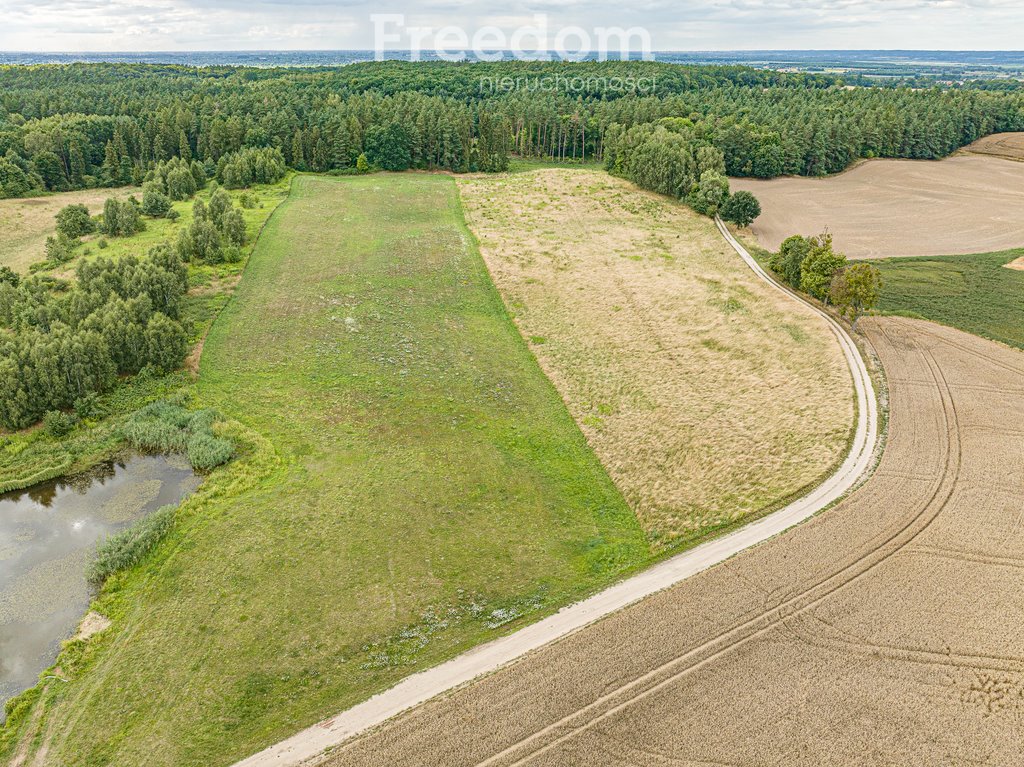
<point x="47" y="533"/>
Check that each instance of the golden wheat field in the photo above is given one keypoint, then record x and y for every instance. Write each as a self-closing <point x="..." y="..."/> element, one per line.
<point x="706" y="395"/>
<point x="26" y="223"/>
<point x="884" y="631"/>
<point x="968" y="203"/>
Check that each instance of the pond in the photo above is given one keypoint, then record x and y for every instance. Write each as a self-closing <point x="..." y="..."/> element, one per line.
<point x="47" y="534"/>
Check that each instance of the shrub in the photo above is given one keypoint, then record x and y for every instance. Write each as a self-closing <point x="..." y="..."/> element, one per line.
<point x="59" y="424"/>
<point x="103" y="244"/>
<point x="73" y="221"/>
<point x="88" y="406"/>
<point x="206" y="452"/>
<point x="9" y="277"/>
<point x="169" y="428"/>
<point x="60" y="249"/>
<point x="128" y="547"/>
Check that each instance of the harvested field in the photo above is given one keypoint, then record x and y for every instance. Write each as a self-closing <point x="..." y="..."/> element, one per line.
<point x="708" y="396"/>
<point x="885" y="631"/>
<point x="1008" y="145"/>
<point x="26" y="223"/>
<point x="880" y="208"/>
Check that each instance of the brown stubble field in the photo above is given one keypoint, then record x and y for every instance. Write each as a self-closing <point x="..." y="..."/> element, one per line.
<point x="1009" y="145"/>
<point x="26" y="223"/>
<point x="885" y="631"/>
<point x="968" y="203"/>
<point x="707" y="396"/>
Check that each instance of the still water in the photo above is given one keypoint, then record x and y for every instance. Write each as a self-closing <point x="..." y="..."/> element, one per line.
<point x="47" y="534"/>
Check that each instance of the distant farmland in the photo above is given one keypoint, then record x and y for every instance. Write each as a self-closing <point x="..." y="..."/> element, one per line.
<point x="965" y="204"/>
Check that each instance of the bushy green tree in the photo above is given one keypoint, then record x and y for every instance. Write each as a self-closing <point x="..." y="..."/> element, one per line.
<point x="74" y="221"/>
<point x="742" y="208"/>
<point x="789" y="259"/>
<point x="200" y="242"/>
<point x="709" y="194"/>
<point x="389" y="147"/>
<point x="855" y="290"/>
<point x="166" y="343"/>
<point x="121" y="218"/>
<point x="820" y="267"/>
<point x="154" y="202"/>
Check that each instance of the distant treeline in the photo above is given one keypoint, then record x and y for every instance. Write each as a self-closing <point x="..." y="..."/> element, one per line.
<point x="74" y="126"/>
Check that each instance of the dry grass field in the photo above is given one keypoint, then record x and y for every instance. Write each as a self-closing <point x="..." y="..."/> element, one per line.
<point x="26" y="223"/>
<point x="965" y="204"/>
<point x="707" y="395"/>
<point x="1008" y="145"/>
<point x="885" y="631"/>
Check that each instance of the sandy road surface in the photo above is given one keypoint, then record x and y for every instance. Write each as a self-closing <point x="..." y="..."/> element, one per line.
<point x="306" y="746"/>
<point x="886" y="631"/>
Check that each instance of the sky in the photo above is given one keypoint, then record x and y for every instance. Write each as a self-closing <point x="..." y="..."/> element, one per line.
<point x="181" y="25"/>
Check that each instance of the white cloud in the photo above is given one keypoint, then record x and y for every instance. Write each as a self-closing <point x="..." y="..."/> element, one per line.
<point x="91" y="25"/>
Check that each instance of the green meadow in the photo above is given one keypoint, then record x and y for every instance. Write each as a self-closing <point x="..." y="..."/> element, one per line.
<point x="409" y="485"/>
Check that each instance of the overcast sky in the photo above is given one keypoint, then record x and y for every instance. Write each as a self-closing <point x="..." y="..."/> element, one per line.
<point x="164" y="25"/>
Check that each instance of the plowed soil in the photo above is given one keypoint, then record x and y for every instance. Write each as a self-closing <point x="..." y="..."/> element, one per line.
<point x="965" y="204"/>
<point x="885" y="631"/>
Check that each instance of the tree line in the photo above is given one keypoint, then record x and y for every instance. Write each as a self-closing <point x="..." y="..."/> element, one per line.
<point x="812" y="265"/>
<point x="63" y="342"/>
<point x="76" y="126"/>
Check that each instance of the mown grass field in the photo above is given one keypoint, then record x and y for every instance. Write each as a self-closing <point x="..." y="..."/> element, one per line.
<point x="976" y="293"/>
<point x="411" y="484"/>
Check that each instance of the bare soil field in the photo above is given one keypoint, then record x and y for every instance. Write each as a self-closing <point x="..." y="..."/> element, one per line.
<point x="1008" y="145"/>
<point x="884" y="631"/>
<point x="708" y="396"/>
<point x="26" y="223"/>
<point x="965" y="204"/>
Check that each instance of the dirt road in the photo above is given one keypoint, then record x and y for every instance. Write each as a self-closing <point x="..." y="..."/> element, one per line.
<point x="883" y="632"/>
<point x="308" y="744"/>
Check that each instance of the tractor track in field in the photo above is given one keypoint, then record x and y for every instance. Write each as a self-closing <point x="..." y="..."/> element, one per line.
<point x="307" y="746"/>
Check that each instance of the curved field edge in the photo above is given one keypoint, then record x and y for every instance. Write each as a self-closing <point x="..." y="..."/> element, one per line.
<point x="266" y="463"/>
<point x="710" y="399"/>
<point x="975" y="293"/>
<point x="271" y="606"/>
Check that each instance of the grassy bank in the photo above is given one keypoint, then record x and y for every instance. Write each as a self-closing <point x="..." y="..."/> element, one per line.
<point x="410" y="485"/>
<point x="976" y="293"/>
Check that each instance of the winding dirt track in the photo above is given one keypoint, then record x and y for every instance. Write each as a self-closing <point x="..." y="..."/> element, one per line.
<point x="886" y="631"/>
<point x="307" y="746"/>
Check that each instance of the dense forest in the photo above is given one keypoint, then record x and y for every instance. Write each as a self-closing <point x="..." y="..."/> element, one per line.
<point x="73" y="126"/>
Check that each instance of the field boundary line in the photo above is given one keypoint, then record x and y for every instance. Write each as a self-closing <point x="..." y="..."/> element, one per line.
<point x="307" y="746"/>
